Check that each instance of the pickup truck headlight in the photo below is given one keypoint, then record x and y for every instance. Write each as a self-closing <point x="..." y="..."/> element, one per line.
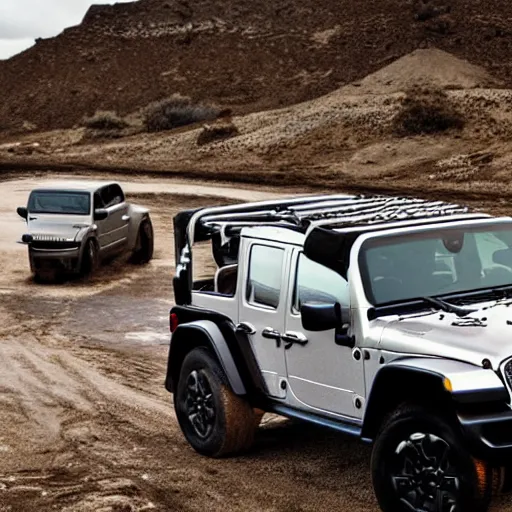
<point x="508" y="373"/>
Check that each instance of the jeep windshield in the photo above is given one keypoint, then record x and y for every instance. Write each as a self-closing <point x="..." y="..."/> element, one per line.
<point x="59" y="202"/>
<point x="450" y="262"/>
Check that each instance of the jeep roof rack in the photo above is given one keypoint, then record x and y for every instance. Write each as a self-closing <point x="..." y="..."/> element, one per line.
<point x="330" y="211"/>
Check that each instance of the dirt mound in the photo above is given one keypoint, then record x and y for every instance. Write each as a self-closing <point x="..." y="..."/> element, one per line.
<point x="429" y="68"/>
<point x="246" y="55"/>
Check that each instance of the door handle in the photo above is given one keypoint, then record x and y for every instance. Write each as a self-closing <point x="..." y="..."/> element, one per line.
<point x="290" y="338"/>
<point x="272" y="334"/>
<point x="246" y="328"/>
<point x="126" y="217"/>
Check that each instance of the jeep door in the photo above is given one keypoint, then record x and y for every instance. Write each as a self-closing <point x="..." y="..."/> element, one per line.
<point x="113" y="231"/>
<point x="262" y="306"/>
<point x="322" y="375"/>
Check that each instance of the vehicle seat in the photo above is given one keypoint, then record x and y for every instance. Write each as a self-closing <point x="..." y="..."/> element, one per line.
<point x="225" y="279"/>
<point x="497" y="276"/>
<point x="503" y="257"/>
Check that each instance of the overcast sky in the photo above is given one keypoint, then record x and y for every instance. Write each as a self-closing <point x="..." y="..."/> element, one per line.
<point x="21" y="21"/>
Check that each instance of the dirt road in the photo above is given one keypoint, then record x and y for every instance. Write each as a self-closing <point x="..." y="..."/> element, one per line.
<point x="85" y="423"/>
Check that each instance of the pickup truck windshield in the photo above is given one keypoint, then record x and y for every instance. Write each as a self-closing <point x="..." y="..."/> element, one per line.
<point x="67" y="203"/>
<point x="448" y="261"/>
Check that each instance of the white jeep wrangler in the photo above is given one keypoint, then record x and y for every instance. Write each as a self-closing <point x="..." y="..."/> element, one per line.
<point x="74" y="225"/>
<point x="384" y="318"/>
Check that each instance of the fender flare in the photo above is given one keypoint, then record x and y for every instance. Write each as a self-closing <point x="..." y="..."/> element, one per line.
<point x="448" y="382"/>
<point x="138" y="215"/>
<point x="196" y="334"/>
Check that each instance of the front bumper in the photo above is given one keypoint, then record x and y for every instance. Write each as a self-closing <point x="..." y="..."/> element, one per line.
<point x="54" y="259"/>
<point x="489" y="435"/>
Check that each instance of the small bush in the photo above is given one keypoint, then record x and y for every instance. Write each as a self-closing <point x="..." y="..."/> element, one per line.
<point x="104" y="120"/>
<point x="426" y="10"/>
<point x="174" y="112"/>
<point x="216" y="132"/>
<point x="426" y="111"/>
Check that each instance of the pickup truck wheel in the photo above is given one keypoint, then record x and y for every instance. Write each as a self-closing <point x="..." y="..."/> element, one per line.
<point x="89" y="259"/>
<point x="144" y="246"/>
<point x="214" y="420"/>
<point x="419" y="463"/>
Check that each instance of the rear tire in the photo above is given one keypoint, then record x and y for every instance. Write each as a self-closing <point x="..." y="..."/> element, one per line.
<point x="419" y="462"/>
<point x="144" y="246"/>
<point x="214" y="420"/>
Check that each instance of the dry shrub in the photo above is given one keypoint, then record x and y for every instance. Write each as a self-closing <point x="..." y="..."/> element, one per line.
<point x="212" y="133"/>
<point x="104" y="120"/>
<point x="174" y="112"/>
<point x="426" y="111"/>
<point x="425" y="10"/>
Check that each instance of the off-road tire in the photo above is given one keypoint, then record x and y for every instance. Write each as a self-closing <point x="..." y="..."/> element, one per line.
<point x="475" y="478"/>
<point x="233" y="425"/>
<point x="144" y="245"/>
<point x="90" y="259"/>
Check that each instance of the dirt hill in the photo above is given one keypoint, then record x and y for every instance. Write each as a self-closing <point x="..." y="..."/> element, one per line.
<point x="428" y="68"/>
<point x="248" y="55"/>
<point x="353" y="136"/>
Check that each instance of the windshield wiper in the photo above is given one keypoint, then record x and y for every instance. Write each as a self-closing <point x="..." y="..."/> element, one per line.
<point x="501" y="293"/>
<point x="449" y="308"/>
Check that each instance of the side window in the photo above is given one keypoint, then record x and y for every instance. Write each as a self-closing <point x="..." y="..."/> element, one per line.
<point x="265" y="275"/>
<point x="98" y="202"/>
<point x="316" y="283"/>
<point x="116" y="194"/>
<point x="106" y="197"/>
<point x="112" y="195"/>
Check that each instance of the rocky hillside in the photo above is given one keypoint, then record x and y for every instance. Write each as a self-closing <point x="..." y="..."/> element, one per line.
<point x="249" y="55"/>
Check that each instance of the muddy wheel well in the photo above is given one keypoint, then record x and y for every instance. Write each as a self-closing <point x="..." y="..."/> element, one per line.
<point x="202" y="334"/>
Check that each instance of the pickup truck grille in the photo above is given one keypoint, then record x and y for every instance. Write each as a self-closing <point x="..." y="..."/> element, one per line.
<point x="508" y="373"/>
<point x="49" y="238"/>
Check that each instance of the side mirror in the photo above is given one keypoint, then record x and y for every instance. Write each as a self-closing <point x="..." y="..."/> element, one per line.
<point x="100" y="214"/>
<point x="321" y="317"/>
<point x="22" y="212"/>
<point x="324" y="317"/>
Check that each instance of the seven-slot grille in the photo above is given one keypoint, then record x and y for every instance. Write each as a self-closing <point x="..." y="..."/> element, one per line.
<point x="49" y="238"/>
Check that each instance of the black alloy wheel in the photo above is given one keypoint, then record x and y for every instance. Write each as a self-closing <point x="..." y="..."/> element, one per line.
<point x="424" y="476"/>
<point x="421" y="463"/>
<point x="200" y="405"/>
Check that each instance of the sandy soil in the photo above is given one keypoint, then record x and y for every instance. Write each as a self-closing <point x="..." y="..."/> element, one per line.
<point x="85" y="422"/>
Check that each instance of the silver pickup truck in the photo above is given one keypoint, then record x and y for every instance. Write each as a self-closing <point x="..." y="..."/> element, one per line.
<point x="388" y="319"/>
<point x="73" y="225"/>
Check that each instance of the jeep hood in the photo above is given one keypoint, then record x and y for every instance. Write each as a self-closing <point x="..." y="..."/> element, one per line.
<point x="485" y="334"/>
